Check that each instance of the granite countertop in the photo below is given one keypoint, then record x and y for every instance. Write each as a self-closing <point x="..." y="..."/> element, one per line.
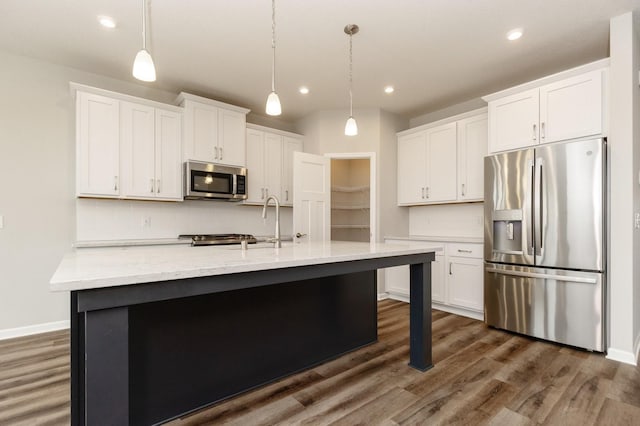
<point x="478" y="240"/>
<point x="87" y="268"/>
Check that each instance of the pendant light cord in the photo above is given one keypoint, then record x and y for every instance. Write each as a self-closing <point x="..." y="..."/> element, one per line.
<point x="273" y="45"/>
<point x="351" y="74"/>
<point x="144" y="26"/>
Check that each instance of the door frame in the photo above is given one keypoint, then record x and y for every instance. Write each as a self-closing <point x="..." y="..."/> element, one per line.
<point x="373" y="193"/>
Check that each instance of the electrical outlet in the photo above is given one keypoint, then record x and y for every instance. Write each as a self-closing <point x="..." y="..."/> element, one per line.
<point x="146" y="221"/>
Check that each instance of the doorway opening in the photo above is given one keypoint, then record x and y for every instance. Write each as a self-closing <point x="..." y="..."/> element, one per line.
<point x="353" y="215"/>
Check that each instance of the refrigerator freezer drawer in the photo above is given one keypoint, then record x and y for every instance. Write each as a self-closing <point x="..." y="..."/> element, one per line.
<point x="557" y="305"/>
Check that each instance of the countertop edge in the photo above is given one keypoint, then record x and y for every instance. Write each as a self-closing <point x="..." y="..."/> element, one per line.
<point x="472" y="240"/>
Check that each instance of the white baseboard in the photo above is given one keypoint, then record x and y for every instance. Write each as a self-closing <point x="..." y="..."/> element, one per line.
<point x="621" y="356"/>
<point x="435" y="305"/>
<point x="10" y="333"/>
<point x="383" y="296"/>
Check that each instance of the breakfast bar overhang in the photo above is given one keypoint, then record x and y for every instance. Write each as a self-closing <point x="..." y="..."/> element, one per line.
<point x="160" y="332"/>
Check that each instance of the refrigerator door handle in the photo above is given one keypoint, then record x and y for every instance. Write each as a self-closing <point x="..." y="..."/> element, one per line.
<point x="540" y="220"/>
<point x="532" y="248"/>
<point x="493" y="269"/>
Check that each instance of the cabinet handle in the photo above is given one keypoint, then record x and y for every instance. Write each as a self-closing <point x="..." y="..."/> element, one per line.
<point x="286" y="195"/>
<point x="158" y="186"/>
<point x="423" y="192"/>
<point x="215" y="152"/>
<point x="427" y="192"/>
<point x="450" y="264"/>
<point x="535" y="137"/>
<point x="542" y="135"/>
<point x="299" y="235"/>
<point x="115" y="183"/>
<point x="221" y="152"/>
<point x="262" y="196"/>
<point x="463" y="189"/>
<point x="151" y="185"/>
<point x="464" y="251"/>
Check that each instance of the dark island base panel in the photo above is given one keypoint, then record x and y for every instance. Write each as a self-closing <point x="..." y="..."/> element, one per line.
<point x="191" y="352"/>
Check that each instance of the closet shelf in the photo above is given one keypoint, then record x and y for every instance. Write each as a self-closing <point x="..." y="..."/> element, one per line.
<point x="350" y="226"/>
<point x="350" y="207"/>
<point x="350" y="188"/>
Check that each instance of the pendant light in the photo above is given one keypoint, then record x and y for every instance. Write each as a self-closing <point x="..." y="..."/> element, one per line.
<point x="273" y="101"/>
<point x="351" y="128"/>
<point x="143" y="68"/>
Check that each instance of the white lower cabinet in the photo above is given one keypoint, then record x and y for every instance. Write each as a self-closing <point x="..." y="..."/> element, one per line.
<point x="456" y="279"/>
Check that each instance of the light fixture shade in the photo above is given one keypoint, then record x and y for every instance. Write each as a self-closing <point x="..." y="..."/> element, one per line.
<point x="273" y="104"/>
<point x="351" y="128"/>
<point x="143" y="68"/>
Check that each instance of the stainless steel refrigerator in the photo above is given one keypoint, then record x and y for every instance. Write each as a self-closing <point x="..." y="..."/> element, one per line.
<point x="545" y="242"/>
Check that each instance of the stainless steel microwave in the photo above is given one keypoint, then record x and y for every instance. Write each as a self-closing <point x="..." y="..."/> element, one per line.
<point x="208" y="181"/>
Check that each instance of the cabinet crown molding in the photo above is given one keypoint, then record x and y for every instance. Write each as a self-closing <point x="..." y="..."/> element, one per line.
<point x="272" y="130"/>
<point x="183" y="96"/>
<point x="591" y="66"/>
<point x="447" y="120"/>
<point x="77" y="87"/>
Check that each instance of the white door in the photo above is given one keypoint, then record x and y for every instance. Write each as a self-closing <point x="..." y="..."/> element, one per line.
<point x="311" y="197"/>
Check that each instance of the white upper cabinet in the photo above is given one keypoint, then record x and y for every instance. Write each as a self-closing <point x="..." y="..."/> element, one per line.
<point x="270" y="164"/>
<point x="97" y="145"/>
<point x="514" y="121"/>
<point x="571" y="108"/>
<point x="443" y="163"/>
<point x="214" y="132"/>
<point x="127" y="149"/>
<point x="566" y="108"/>
<point x="472" y="148"/>
<point x="150" y="152"/>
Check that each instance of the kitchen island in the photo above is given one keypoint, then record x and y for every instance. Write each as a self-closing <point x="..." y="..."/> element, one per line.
<point x="157" y="332"/>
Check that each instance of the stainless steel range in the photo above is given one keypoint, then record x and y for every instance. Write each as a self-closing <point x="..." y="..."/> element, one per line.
<point x="219" y="239"/>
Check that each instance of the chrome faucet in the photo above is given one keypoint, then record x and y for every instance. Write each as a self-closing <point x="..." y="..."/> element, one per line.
<point x="277" y="243"/>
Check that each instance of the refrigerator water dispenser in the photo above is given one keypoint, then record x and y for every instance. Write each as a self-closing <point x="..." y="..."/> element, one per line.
<point x="507" y="231"/>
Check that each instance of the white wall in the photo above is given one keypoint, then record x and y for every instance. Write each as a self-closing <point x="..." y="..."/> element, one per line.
<point x="440" y="114"/>
<point x="624" y="152"/>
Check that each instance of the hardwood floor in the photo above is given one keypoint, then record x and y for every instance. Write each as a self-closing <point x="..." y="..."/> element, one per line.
<point x="481" y="376"/>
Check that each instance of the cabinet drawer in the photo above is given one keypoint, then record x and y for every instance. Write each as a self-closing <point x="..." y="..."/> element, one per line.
<point x="464" y="250"/>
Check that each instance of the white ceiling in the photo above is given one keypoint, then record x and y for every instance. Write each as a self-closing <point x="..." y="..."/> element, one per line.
<point x="435" y="52"/>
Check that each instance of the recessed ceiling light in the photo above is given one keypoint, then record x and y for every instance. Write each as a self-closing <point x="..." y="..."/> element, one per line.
<point x="514" y="34"/>
<point x="106" y="21"/>
<point x="304" y="90"/>
<point x="389" y="89"/>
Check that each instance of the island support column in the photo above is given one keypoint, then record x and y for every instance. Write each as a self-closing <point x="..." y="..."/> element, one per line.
<point x="420" y="356"/>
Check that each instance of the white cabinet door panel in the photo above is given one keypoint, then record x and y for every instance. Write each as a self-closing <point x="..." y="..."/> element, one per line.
<point x="464" y="279"/>
<point x="571" y="108"/>
<point x="255" y="166"/>
<point x="201" y="132"/>
<point x="137" y="154"/>
<point x="396" y="280"/>
<point x="472" y="148"/>
<point x="168" y="167"/>
<point x="98" y="143"/>
<point x="513" y="121"/>
<point x="289" y="146"/>
<point x="441" y="163"/>
<point x="273" y="164"/>
<point x="411" y="169"/>
<point x="231" y="137"/>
